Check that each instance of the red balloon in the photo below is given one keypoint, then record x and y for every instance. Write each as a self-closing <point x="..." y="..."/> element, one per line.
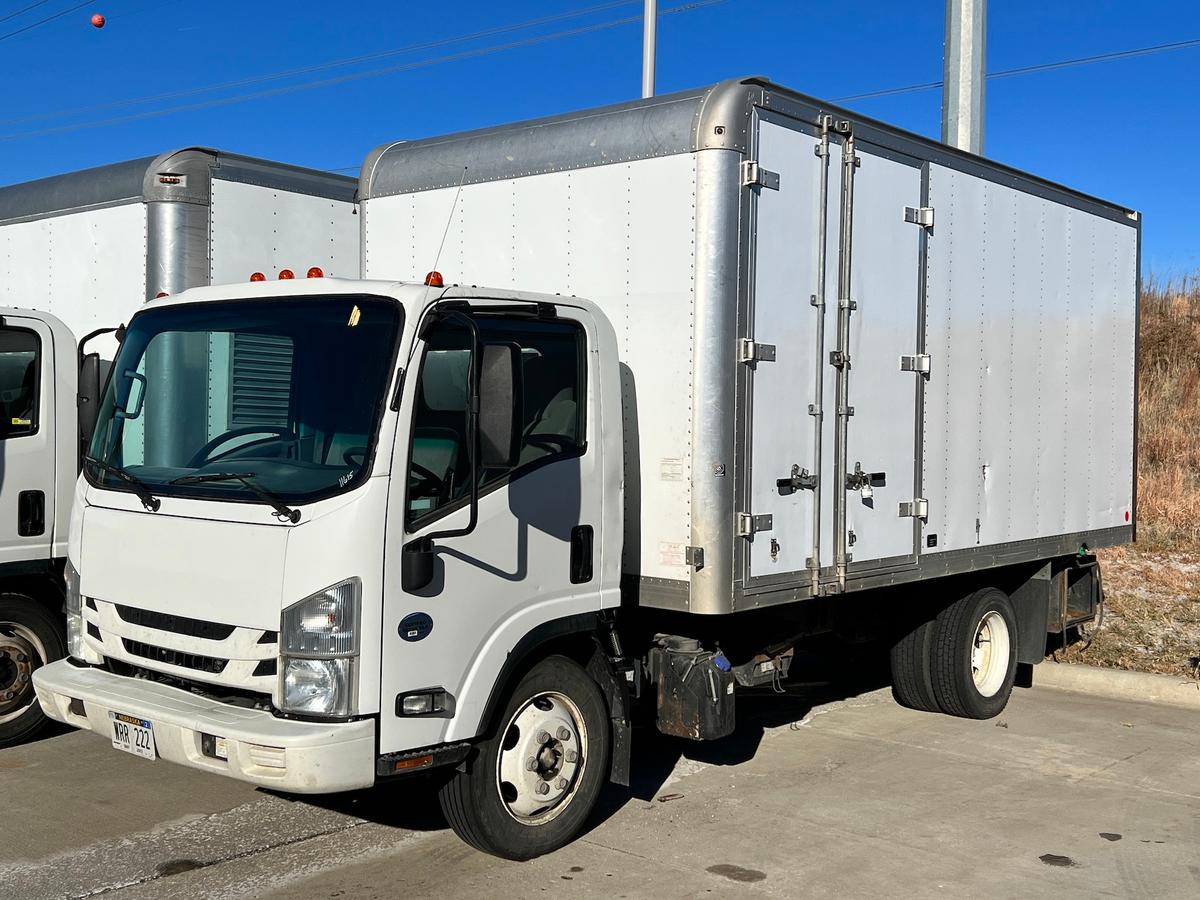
<point x="98" y="20"/>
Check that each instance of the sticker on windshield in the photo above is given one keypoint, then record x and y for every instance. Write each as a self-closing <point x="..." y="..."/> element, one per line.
<point x="355" y="315"/>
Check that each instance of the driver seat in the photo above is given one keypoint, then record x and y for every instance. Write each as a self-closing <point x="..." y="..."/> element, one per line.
<point x="436" y="449"/>
<point x="558" y="418"/>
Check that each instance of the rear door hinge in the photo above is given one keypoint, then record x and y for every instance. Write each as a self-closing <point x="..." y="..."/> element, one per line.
<point x="914" y="509"/>
<point x="694" y="557"/>
<point x="918" y="362"/>
<point x="749" y="525"/>
<point x="919" y="215"/>
<point x="750" y="351"/>
<point x="754" y="175"/>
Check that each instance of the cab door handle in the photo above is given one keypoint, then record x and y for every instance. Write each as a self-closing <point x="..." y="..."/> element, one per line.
<point x="31" y="513"/>
<point x="581" y="554"/>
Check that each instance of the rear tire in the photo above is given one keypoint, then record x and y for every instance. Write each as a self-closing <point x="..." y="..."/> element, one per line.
<point x="533" y="783"/>
<point x="974" y="657"/>
<point x="30" y="637"/>
<point x="912" y="683"/>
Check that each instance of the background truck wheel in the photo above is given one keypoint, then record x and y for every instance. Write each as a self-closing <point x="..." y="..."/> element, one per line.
<point x="534" y="782"/>
<point x="911" y="657"/>
<point x="975" y="655"/>
<point x="30" y="637"/>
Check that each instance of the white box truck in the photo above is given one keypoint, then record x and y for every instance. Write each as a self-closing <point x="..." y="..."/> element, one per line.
<point x="79" y="253"/>
<point x="829" y="377"/>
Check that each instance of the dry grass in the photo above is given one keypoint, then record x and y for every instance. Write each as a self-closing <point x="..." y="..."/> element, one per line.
<point x="1153" y="589"/>
<point x="1169" y="413"/>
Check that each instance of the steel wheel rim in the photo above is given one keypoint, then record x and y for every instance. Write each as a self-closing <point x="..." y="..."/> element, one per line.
<point x="21" y="653"/>
<point x="989" y="653"/>
<point x="543" y="753"/>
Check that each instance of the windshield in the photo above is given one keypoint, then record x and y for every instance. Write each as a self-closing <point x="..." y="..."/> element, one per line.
<point x="286" y="393"/>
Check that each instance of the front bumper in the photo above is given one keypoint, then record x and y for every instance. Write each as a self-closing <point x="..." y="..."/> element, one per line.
<point x="282" y="754"/>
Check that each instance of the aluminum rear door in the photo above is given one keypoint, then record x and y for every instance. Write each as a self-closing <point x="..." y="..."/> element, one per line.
<point x="878" y="447"/>
<point x="785" y="353"/>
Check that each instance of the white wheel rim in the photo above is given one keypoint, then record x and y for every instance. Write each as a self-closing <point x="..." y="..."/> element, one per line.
<point x="989" y="653"/>
<point x="21" y="653"/>
<point x="543" y="752"/>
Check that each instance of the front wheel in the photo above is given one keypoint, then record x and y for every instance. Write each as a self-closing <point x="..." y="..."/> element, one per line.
<point x="534" y="782"/>
<point x="30" y="637"/>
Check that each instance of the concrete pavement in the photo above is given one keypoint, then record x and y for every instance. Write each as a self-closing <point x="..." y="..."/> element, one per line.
<point x="1063" y="795"/>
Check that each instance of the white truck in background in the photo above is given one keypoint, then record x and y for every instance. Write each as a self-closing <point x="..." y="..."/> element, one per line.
<point x="79" y="253"/>
<point x="829" y="377"/>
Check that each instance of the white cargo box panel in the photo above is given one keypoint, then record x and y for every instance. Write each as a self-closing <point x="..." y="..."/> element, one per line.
<point x="91" y="246"/>
<point x="850" y="356"/>
<point x="580" y="233"/>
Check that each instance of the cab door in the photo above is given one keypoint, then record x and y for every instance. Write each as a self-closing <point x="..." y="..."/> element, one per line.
<point x="27" y="440"/>
<point x="533" y="556"/>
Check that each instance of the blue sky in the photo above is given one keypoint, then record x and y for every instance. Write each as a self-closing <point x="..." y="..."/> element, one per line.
<point x="1126" y="130"/>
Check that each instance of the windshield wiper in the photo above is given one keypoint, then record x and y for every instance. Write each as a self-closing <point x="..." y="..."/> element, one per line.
<point x="140" y="487"/>
<point x="282" y="511"/>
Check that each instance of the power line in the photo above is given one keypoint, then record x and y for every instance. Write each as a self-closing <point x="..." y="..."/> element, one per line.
<point x="39" y="22"/>
<point x="357" y="76"/>
<point x="1040" y="67"/>
<point x="319" y="67"/>
<point x="21" y="12"/>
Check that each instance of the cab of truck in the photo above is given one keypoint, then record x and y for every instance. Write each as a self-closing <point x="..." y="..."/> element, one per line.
<point x="46" y="401"/>
<point x="388" y="548"/>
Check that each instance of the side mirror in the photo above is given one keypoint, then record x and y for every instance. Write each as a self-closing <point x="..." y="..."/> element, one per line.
<point x="416" y="564"/>
<point x="500" y="392"/>
<point x="89" y="397"/>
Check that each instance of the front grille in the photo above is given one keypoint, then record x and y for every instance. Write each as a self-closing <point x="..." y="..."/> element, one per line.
<point x="265" y="667"/>
<point x="212" y="631"/>
<point x="211" y="664"/>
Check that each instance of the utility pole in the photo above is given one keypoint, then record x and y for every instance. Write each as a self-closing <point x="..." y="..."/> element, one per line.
<point x="962" y="88"/>
<point x="649" y="38"/>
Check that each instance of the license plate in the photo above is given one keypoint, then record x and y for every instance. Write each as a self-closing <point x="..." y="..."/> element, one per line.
<point x="133" y="735"/>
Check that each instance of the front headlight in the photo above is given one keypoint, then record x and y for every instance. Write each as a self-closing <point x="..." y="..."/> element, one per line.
<point x="318" y="687"/>
<point x="319" y="640"/>
<point x="74" y="605"/>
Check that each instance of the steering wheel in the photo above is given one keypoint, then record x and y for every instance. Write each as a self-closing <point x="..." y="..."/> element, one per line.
<point x="205" y="453"/>
<point x="349" y="457"/>
<point x="425" y="476"/>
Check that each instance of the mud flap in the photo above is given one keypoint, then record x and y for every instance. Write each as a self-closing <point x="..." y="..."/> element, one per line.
<point x="610" y="676"/>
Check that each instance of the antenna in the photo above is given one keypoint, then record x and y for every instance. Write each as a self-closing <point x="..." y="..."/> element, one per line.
<point x="449" y="219"/>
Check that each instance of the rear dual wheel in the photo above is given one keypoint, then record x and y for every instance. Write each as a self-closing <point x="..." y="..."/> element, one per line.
<point x="962" y="662"/>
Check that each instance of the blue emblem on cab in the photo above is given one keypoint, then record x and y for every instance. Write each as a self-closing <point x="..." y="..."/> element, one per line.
<point x="415" y="626"/>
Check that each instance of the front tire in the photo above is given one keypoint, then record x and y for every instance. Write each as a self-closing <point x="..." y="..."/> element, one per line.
<point x="975" y="655"/>
<point x="30" y="637"/>
<point x="536" y="779"/>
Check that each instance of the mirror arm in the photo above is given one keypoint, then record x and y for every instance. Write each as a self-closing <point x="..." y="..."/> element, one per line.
<point x="472" y="422"/>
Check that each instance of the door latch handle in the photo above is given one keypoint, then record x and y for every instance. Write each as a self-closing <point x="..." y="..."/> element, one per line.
<point x="865" y="482"/>
<point x="800" y="480"/>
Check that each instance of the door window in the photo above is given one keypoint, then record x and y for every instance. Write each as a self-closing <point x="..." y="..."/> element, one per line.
<point x="552" y="404"/>
<point x="20" y="363"/>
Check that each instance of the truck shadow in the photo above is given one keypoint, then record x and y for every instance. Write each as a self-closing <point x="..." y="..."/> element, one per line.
<point x="659" y="760"/>
<point x="412" y="803"/>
